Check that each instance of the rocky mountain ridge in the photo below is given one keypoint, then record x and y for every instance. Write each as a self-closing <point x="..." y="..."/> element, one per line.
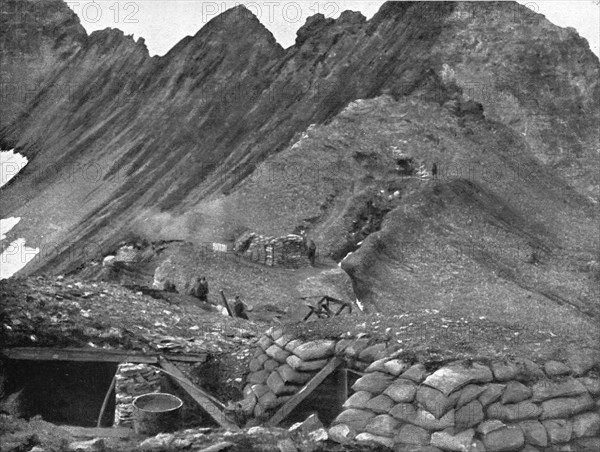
<point x="491" y="86"/>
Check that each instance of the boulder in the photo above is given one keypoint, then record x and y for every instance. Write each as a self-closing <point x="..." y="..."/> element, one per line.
<point x="547" y="389"/>
<point x="559" y="430"/>
<point x="459" y="442"/>
<point x="310" y="424"/>
<point x="449" y="379"/>
<point x="375" y="382"/>
<point x="369" y="438"/>
<point x="357" y="419"/>
<point x="534" y="432"/>
<point x="342" y="434"/>
<point x="318" y="435"/>
<point x="97" y="444"/>
<point x="383" y="425"/>
<point x="411" y="434"/>
<point x="586" y="424"/>
<point x="277" y="353"/>
<point x="504" y="440"/>
<point x="286" y="445"/>
<point x="401" y="390"/>
<point x="315" y="350"/>
<point x="469" y="415"/>
<point x="305" y="366"/>
<point x="515" y="392"/>
<point x="380" y="404"/>
<point x="358" y="400"/>
<point x="289" y="375"/>
<point x="566" y="406"/>
<point x="514" y="412"/>
<point x="556" y="368"/>
<point x="415" y="373"/>
<point x="434" y="401"/>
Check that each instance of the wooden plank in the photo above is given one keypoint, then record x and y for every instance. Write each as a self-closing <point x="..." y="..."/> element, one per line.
<point x="79" y="354"/>
<point x="91" y="355"/>
<point x="343" y="385"/>
<point x="88" y="432"/>
<point x="226" y="304"/>
<point x="111" y="388"/>
<point x="208" y="403"/>
<point x="292" y="403"/>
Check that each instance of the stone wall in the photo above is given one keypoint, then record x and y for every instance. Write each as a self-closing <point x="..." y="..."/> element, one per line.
<point x="510" y="405"/>
<point x="284" y="251"/>
<point x="132" y="380"/>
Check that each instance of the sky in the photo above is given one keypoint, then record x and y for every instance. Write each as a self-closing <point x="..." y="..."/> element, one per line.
<point x="163" y="23"/>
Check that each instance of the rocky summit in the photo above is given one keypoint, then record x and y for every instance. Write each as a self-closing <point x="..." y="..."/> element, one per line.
<point x="412" y="199"/>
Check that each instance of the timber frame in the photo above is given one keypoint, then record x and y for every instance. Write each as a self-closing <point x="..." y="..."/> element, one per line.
<point x="212" y="406"/>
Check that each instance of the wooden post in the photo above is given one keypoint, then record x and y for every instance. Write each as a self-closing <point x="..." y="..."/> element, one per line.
<point x="105" y="402"/>
<point x="297" y="398"/>
<point x="226" y="304"/>
<point x="208" y="403"/>
<point x="342" y="383"/>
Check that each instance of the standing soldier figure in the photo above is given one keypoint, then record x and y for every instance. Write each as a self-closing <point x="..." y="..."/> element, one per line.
<point x="434" y="170"/>
<point x="200" y="289"/>
<point x="239" y="308"/>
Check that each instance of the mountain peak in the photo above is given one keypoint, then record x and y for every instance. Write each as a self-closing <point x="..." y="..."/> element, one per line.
<point x="234" y="17"/>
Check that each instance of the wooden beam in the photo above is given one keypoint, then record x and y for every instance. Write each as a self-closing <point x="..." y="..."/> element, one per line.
<point x="90" y="354"/>
<point x="208" y="403"/>
<point x="226" y="304"/>
<point x="292" y="403"/>
<point x="106" y="399"/>
<point x="88" y="432"/>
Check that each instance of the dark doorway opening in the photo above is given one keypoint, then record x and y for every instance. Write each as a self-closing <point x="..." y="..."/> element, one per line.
<point x="62" y="392"/>
<point x="327" y="399"/>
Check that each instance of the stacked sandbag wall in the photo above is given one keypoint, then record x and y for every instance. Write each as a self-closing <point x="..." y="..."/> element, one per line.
<point x="514" y="405"/>
<point x="511" y="405"/>
<point x="282" y="365"/>
<point x="132" y="380"/>
<point x="284" y="251"/>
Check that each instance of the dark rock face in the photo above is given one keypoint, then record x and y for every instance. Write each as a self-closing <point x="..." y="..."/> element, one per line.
<point x="36" y="38"/>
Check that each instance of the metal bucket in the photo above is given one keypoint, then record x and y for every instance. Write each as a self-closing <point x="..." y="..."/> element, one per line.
<point x="156" y="412"/>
